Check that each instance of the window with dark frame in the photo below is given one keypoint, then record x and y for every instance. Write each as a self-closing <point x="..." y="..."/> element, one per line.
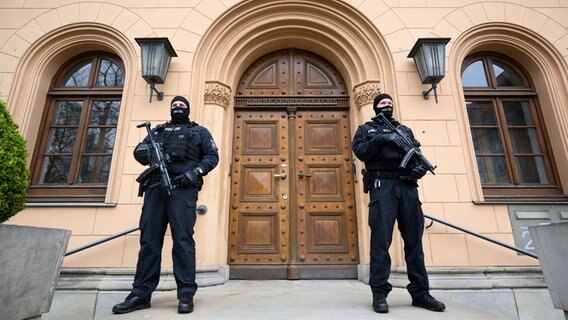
<point x="73" y="154"/>
<point x="512" y="151"/>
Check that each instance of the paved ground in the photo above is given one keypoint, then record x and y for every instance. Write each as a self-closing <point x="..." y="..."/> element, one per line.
<point x="309" y="299"/>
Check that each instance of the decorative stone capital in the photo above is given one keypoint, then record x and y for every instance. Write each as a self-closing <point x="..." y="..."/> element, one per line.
<point x="217" y="93"/>
<point x="366" y="92"/>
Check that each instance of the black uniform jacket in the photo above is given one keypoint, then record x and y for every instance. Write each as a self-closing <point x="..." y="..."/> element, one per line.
<point x="187" y="145"/>
<point x="371" y="146"/>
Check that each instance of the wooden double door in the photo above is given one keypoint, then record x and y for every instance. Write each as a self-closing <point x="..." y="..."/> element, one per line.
<point x="292" y="195"/>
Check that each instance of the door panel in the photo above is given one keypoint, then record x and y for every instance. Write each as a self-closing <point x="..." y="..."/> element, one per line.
<point x="258" y="218"/>
<point x="325" y="204"/>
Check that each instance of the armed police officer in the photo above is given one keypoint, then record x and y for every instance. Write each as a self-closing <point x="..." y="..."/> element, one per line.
<point x="393" y="197"/>
<point x="189" y="153"/>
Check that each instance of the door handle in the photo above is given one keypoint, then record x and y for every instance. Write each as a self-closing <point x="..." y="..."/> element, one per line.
<point x="281" y="175"/>
<point x="301" y="174"/>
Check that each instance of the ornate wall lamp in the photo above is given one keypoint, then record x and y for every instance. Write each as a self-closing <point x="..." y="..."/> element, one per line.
<point x="429" y="55"/>
<point x="156" y="55"/>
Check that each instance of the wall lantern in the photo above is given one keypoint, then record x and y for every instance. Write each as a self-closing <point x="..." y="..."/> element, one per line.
<point x="156" y="55"/>
<point x="429" y="55"/>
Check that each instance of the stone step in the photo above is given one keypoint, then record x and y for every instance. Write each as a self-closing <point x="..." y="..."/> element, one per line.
<point x="309" y="299"/>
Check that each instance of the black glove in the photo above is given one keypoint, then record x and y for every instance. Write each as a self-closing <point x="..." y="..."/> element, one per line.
<point x="142" y="154"/>
<point x="418" y="172"/>
<point x="190" y="178"/>
<point x="383" y="138"/>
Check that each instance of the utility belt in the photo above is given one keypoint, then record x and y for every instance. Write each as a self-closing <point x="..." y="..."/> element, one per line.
<point x="372" y="177"/>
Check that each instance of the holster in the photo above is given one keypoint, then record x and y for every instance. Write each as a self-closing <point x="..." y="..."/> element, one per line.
<point x="367" y="180"/>
<point x="370" y="179"/>
<point x="145" y="177"/>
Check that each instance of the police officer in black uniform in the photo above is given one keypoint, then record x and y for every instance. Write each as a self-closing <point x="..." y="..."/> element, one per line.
<point x="190" y="153"/>
<point x="393" y="197"/>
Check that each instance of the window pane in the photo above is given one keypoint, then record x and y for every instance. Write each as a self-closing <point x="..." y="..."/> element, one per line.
<point x="78" y="76"/>
<point x="67" y="113"/>
<point x="474" y="75"/>
<point x="105" y="113"/>
<point x="95" y="169"/>
<point x="110" y="75"/>
<point x="100" y="140"/>
<point x="481" y="113"/>
<point x="493" y="170"/>
<point x="518" y="113"/>
<point x="524" y="141"/>
<point x="506" y="76"/>
<point x="532" y="170"/>
<point x="486" y="141"/>
<point x="61" y="140"/>
<point x="55" y="170"/>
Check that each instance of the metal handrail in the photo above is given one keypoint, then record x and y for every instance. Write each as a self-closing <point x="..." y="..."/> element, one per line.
<point x="475" y="234"/>
<point x="96" y="243"/>
<point x="201" y="209"/>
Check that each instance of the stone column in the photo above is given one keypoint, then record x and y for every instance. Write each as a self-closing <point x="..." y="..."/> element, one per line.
<point x="211" y="232"/>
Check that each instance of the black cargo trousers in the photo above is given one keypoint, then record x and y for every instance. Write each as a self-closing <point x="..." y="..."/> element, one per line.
<point x="396" y="200"/>
<point x="179" y="211"/>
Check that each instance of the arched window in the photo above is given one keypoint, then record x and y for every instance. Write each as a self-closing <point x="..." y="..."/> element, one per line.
<point x="74" y="148"/>
<point x="511" y="146"/>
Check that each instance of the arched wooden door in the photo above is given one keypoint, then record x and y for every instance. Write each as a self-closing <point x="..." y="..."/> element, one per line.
<point x="292" y="196"/>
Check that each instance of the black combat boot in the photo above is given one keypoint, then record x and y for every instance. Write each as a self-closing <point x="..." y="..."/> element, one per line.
<point x="185" y="303"/>
<point x="380" y="304"/>
<point x="426" y="301"/>
<point x="132" y="303"/>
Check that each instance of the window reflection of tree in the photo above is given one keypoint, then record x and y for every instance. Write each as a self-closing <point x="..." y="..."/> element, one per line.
<point x="78" y="78"/>
<point x="110" y="75"/>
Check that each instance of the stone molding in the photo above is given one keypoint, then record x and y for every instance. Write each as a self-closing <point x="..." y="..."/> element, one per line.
<point x="366" y="92"/>
<point x="468" y="278"/>
<point x="217" y="93"/>
<point x="120" y="279"/>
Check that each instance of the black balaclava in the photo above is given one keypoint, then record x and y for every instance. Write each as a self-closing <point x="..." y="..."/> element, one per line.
<point x="179" y="115"/>
<point x="387" y="110"/>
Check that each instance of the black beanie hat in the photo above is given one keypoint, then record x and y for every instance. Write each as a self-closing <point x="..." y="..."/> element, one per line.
<point x="180" y="98"/>
<point x="379" y="98"/>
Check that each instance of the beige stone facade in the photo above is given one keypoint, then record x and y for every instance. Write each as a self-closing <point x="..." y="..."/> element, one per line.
<point x="217" y="40"/>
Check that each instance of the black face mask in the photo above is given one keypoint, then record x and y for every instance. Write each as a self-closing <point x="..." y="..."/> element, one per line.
<point x="179" y="115"/>
<point x="387" y="111"/>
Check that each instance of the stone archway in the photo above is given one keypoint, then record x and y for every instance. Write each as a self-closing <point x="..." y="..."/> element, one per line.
<point x="334" y="30"/>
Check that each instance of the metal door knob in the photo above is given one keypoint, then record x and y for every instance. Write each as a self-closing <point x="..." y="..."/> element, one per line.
<point x="280" y="175"/>
<point x="301" y="174"/>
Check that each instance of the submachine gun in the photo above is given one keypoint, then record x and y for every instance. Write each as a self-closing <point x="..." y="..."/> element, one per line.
<point x="157" y="162"/>
<point x="407" y="145"/>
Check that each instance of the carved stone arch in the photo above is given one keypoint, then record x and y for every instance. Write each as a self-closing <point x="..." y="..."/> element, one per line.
<point x="252" y="29"/>
<point x="41" y="61"/>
